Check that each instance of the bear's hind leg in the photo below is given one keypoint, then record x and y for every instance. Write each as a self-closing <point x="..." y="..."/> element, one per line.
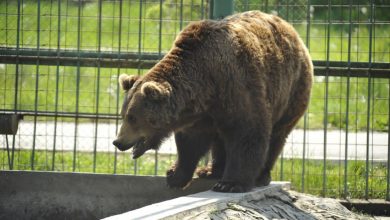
<point x="280" y="132"/>
<point x="276" y="146"/>
<point x="285" y="125"/>
<point x="192" y="143"/>
<point x="246" y="151"/>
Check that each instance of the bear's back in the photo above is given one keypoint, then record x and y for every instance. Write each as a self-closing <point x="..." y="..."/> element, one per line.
<point x="251" y="54"/>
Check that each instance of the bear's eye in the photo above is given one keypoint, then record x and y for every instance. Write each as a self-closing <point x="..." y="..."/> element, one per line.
<point x="131" y="119"/>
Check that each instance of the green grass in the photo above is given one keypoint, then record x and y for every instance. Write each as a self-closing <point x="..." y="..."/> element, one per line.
<point x="336" y="114"/>
<point x="292" y="170"/>
<point x="313" y="179"/>
<point x="90" y="85"/>
<point x="89" y="24"/>
<point x="105" y="162"/>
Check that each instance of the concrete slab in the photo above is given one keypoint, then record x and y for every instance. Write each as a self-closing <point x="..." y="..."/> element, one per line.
<point x="377" y="207"/>
<point x="54" y="195"/>
<point x="190" y="205"/>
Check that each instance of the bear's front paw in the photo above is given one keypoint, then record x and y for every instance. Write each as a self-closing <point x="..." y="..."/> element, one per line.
<point x="177" y="178"/>
<point x="225" y="186"/>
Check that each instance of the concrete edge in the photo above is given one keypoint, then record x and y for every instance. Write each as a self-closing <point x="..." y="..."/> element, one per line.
<point x="378" y="207"/>
<point x="62" y="195"/>
<point x="181" y="207"/>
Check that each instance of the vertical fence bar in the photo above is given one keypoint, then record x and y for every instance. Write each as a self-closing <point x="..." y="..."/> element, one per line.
<point x="139" y="55"/>
<point x="211" y="9"/>
<point x="140" y="33"/>
<point x="181" y="15"/>
<point x="304" y="153"/>
<point x="98" y="83"/>
<point x="16" y="79"/>
<point x="117" y="76"/>
<point x="347" y="103"/>
<point x="159" y="53"/>
<point x="7" y="147"/>
<point x="388" y="147"/>
<point x="128" y="26"/>
<point x="6" y="24"/>
<point x="368" y="138"/>
<point x="22" y="42"/>
<point x="369" y="100"/>
<point x="36" y="84"/>
<point x="372" y="39"/>
<point x="308" y="21"/>
<point x="356" y="94"/>
<point x="128" y="41"/>
<point x="325" y="133"/>
<point x="287" y="11"/>
<point x="160" y="28"/>
<point x="281" y="178"/>
<point x="202" y="9"/>
<point x="192" y="6"/>
<point x="222" y="8"/>
<point x="5" y="82"/>
<point x="292" y="161"/>
<point x="66" y="13"/>
<point x="57" y="84"/>
<point x="77" y="84"/>
<point x="324" y="189"/>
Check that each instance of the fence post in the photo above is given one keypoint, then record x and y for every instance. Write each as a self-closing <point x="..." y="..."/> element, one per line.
<point x="221" y="8"/>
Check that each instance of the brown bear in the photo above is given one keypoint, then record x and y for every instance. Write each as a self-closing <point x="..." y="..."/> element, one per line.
<point x="236" y="86"/>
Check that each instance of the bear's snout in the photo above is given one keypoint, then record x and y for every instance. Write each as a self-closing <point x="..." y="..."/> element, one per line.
<point x="120" y="146"/>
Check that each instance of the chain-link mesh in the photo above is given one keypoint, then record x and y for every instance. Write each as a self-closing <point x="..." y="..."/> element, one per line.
<point x="60" y="60"/>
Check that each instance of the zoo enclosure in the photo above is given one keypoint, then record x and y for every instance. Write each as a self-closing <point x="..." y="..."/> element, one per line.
<point x="60" y="60"/>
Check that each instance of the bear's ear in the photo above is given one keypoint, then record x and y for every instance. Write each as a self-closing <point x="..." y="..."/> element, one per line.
<point x="156" y="90"/>
<point x="127" y="81"/>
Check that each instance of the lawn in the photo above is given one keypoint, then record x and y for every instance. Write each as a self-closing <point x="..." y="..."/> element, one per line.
<point x="311" y="182"/>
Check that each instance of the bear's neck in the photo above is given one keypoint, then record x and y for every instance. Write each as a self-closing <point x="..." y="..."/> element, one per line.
<point x="188" y="99"/>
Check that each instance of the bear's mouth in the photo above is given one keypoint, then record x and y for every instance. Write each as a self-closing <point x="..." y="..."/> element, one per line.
<point x="140" y="148"/>
<point x="136" y="144"/>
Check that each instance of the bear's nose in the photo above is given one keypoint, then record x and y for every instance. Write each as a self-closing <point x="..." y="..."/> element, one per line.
<point x="119" y="145"/>
<point x="116" y="143"/>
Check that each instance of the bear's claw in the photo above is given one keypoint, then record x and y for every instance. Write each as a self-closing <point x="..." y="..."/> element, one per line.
<point x="232" y="187"/>
<point x="176" y="179"/>
<point x="208" y="173"/>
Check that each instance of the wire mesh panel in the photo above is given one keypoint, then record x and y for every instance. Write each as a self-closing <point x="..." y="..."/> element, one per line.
<point x="340" y="147"/>
<point x="55" y="58"/>
<point x="60" y="60"/>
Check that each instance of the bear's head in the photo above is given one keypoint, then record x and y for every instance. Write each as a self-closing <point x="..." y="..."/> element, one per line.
<point x="144" y="113"/>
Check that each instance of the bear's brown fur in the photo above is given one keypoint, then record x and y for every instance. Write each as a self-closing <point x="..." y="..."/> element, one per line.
<point x="236" y="86"/>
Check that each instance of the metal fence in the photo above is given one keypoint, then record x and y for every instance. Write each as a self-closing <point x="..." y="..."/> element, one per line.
<point x="60" y="60"/>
